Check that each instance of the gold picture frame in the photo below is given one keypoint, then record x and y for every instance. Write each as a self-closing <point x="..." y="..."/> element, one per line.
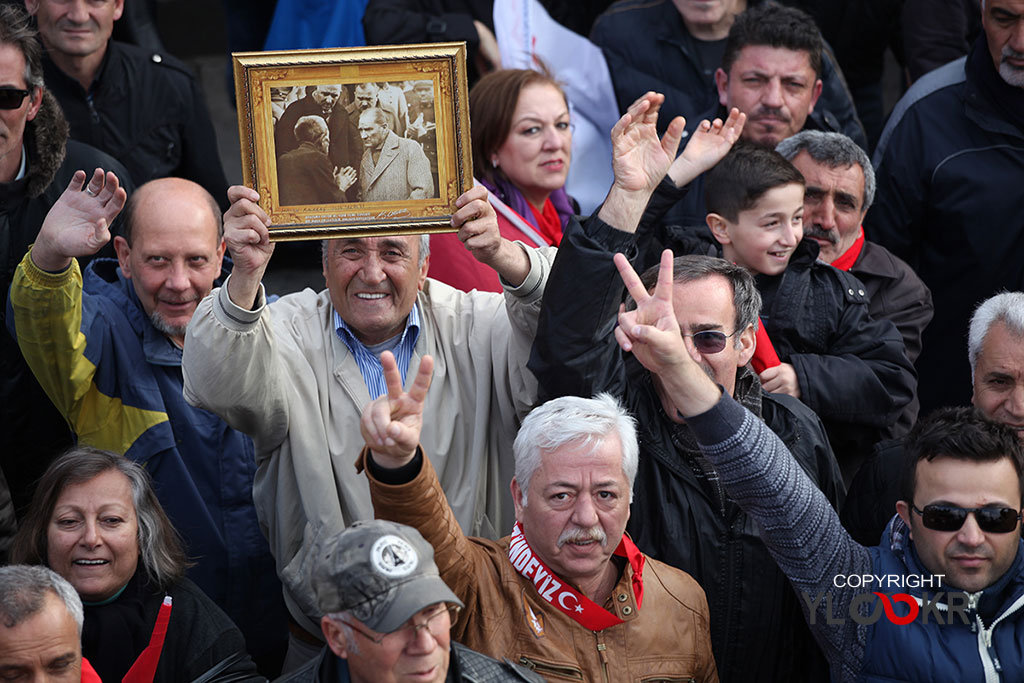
<point x="285" y="112"/>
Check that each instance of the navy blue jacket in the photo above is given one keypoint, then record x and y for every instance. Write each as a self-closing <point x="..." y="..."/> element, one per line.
<point x="118" y="382"/>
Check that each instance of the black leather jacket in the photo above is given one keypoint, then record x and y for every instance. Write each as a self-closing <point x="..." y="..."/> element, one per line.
<point x="680" y="514"/>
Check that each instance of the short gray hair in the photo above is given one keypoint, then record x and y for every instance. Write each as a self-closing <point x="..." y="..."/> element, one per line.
<point x="835" y="150"/>
<point x="1006" y="307"/>
<point x="340" y="619"/>
<point x="692" y="267"/>
<point x="572" y="419"/>
<point x="424" y="249"/>
<point x="23" y="590"/>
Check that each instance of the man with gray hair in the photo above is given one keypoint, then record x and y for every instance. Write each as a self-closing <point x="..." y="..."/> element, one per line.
<point x="387" y="615"/>
<point x="995" y="348"/>
<point x="840" y="190"/>
<point x="950" y="166"/>
<point x="40" y="626"/>
<point x="568" y="594"/>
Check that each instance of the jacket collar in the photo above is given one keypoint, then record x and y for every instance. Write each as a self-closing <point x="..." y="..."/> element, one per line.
<point x="103" y="277"/>
<point x="989" y="101"/>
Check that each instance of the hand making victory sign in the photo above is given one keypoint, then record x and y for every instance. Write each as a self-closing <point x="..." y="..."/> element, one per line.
<point x="651" y="332"/>
<point x="391" y="424"/>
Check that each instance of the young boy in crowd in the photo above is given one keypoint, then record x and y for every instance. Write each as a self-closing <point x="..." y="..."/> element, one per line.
<point x="850" y="369"/>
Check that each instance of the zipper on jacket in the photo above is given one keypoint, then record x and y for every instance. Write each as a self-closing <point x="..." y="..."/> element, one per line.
<point x="545" y="668"/>
<point x="601" y="647"/>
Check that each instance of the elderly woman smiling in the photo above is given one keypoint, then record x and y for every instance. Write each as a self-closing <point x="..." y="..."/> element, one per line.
<point x="95" y="520"/>
<point x="522" y="146"/>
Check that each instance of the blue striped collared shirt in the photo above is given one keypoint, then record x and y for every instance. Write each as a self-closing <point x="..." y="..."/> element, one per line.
<point x="369" y="364"/>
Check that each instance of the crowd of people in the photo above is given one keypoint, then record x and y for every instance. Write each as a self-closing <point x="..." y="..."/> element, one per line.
<point x="758" y="417"/>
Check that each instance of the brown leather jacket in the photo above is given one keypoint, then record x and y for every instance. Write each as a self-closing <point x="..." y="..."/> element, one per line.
<point x="666" y="640"/>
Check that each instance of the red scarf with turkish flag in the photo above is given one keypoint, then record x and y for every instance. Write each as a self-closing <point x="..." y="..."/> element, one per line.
<point x="564" y="597"/>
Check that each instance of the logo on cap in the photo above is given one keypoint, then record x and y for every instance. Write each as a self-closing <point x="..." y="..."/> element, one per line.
<point x="393" y="557"/>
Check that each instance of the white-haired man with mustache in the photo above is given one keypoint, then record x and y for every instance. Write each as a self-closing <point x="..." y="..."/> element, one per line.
<point x="950" y="165"/>
<point x="567" y="594"/>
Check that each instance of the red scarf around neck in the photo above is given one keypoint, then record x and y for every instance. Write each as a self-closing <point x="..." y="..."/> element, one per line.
<point x="564" y="597"/>
<point x="846" y="260"/>
<point x="548" y="222"/>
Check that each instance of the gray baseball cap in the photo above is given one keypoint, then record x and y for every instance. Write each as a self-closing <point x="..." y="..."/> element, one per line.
<point x="381" y="572"/>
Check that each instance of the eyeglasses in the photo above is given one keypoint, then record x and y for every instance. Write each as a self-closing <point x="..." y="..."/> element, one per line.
<point x="11" y="98"/>
<point x="951" y="518"/>
<point x="410" y="629"/>
<point x="709" y="341"/>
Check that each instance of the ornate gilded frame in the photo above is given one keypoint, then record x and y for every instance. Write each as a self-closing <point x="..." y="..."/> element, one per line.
<point x="442" y="63"/>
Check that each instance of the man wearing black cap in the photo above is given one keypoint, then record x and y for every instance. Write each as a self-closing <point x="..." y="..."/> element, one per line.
<point x="388" y="615"/>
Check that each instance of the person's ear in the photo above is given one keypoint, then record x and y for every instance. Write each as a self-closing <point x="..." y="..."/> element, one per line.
<point x="517" y="499"/>
<point x="722" y="83"/>
<point x="748" y="344"/>
<point x="719" y="228"/>
<point x="123" y="255"/>
<point x="335" y="637"/>
<point x="35" y="98"/>
<point x="815" y="95"/>
<point x="903" y="510"/>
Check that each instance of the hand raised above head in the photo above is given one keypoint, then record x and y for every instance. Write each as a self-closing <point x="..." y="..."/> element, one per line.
<point x="650" y="331"/>
<point x="247" y="235"/>
<point x="480" y="233"/>
<point x="707" y="146"/>
<point x="78" y="223"/>
<point x="640" y="158"/>
<point x="391" y="424"/>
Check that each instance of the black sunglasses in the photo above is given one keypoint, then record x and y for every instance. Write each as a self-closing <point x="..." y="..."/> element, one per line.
<point x="11" y="98"/>
<point x="951" y="518"/>
<point x="709" y="341"/>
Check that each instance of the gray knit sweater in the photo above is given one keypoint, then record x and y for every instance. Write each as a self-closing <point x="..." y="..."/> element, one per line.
<point x="799" y="527"/>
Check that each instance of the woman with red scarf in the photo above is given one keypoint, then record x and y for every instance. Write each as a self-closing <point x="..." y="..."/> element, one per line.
<point x="522" y="146"/>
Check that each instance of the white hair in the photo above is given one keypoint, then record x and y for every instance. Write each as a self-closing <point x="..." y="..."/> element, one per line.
<point x="1006" y="307"/>
<point x="572" y="419"/>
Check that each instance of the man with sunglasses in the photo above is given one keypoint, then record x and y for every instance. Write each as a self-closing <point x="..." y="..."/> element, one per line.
<point x="950" y="562"/>
<point x="680" y="515"/>
<point x="36" y="162"/>
<point x="387" y="614"/>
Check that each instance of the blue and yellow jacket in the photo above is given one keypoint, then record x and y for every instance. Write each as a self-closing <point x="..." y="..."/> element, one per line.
<point x="117" y="380"/>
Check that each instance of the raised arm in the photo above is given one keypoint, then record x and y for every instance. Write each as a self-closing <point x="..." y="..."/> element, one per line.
<point x="574" y="352"/>
<point x="798" y="525"/>
<point x="78" y="223"/>
<point x="478" y="230"/>
<point x="248" y="238"/>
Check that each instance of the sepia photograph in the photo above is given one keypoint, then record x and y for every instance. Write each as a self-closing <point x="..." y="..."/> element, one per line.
<point x="355" y="141"/>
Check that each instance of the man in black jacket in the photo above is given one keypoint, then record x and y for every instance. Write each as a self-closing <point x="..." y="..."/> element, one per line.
<point x="950" y="166"/>
<point x="36" y="163"/>
<point x="143" y="108"/>
<point x="680" y="515"/>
